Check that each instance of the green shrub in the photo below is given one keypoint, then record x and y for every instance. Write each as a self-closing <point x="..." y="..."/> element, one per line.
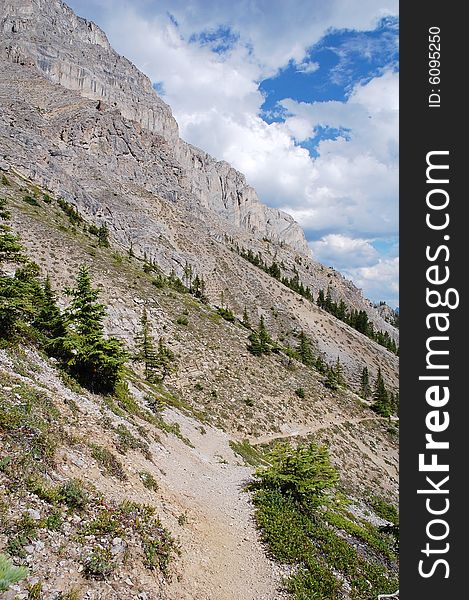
<point x="99" y="564"/>
<point x="109" y="463"/>
<point x="227" y="314"/>
<point x="182" y="320"/>
<point x="304" y="473"/>
<point x="30" y="200"/>
<point x="148" y="480"/>
<point x="73" y="494"/>
<point x="300" y="392"/>
<point x="9" y="574"/>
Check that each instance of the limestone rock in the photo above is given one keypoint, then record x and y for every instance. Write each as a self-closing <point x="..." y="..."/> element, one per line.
<point x="89" y="66"/>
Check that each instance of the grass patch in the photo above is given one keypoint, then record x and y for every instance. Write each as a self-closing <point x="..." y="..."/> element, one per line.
<point x="251" y="455"/>
<point x="384" y="510"/>
<point x="108" y="462"/>
<point x="148" y="480"/>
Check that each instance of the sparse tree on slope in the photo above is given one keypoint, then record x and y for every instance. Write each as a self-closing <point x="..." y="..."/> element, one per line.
<point x="146" y="352"/>
<point x="96" y="362"/>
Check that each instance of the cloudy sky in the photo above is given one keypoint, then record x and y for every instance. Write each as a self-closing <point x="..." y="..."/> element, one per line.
<point x="301" y="96"/>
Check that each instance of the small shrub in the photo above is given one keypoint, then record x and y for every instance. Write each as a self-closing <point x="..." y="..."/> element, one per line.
<point x="107" y="522"/>
<point x="109" y="463"/>
<point x="148" y="480"/>
<point x="9" y="574"/>
<point x="300" y="392"/>
<point x="304" y="473"/>
<point x="53" y="521"/>
<point x="5" y="180"/>
<point x="99" y="564"/>
<point x="30" y="200"/>
<point x="182" y="320"/>
<point x="226" y="314"/>
<point x="198" y="387"/>
<point x="73" y="494"/>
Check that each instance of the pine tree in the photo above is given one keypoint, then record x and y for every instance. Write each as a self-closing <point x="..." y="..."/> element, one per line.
<point x="320" y="365"/>
<point x="188" y="274"/>
<point x="321" y="300"/>
<point x="339" y="372"/>
<point x="146" y="352"/>
<point x="304" y="350"/>
<point x="365" y="383"/>
<point x="164" y="360"/>
<point x="381" y="402"/>
<point x="85" y="314"/>
<point x="254" y="345"/>
<point x="18" y="294"/>
<point x="49" y="320"/>
<point x="103" y="236"/>
<point x="246" y="321"/>
<point x="331" y="379"/>
<point x="264" y="338"/>
<point x="94" y="361"/>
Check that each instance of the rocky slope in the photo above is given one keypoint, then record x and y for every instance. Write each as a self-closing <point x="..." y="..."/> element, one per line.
<point x="219" y="394"/>
<point x="170" y="202"/>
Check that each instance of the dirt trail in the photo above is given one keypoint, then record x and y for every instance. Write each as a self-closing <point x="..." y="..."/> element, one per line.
<point x="303" y="430"/>
<point x="223" y="557"/>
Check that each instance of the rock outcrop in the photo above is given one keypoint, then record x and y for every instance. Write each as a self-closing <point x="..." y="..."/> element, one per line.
<point x="89" y="66"/>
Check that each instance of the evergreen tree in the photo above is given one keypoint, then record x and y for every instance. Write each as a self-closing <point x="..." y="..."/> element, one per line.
<point x="304" y="350"/>
<point x="188" y="274"/>
<point x="365" y="383"/>
<point x="254" y="345"/>
<point x="264" y="338"/>
<point x="260" y="341"/>
<point x="146" y="352"/>
<point x="94" y="361"/>
<point x="164" y="360"/>
<point x="331" y="379"/>
<point x="49" y="319"/>
<point x="381" y="402"/>
<point x="328" y="304"/>
<point x="341" y="312"/>
<point x="339" y="372"/>
<point x="85" y="314"/>
<point x="321" y="302"/>
<point x="103" y="236"/>
<point x="18" y="294"/>
<point x="321" y="365"/>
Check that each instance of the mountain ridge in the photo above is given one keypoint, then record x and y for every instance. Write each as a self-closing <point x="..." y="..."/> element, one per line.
<point x="86" y="67"/>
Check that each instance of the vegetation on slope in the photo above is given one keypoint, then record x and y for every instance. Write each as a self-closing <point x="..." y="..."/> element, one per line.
<point x="306" y="525"/>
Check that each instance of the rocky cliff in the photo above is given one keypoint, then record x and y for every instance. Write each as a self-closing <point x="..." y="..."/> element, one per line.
<point x="89" y="66"/>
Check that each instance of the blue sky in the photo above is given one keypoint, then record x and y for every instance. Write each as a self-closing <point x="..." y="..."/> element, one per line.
<point x="300" y="96"/>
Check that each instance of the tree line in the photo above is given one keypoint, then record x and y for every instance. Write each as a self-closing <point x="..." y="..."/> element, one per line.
<point x="357" y="319"/>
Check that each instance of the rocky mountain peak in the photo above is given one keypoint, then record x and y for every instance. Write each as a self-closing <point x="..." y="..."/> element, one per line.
<point x="76" y="54"/>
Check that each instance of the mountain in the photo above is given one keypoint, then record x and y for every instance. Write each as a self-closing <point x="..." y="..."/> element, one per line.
<point x="93" y="172"/>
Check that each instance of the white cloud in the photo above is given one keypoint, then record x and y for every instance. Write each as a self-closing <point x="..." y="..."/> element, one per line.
<point x="351" y="187"/>
<point x="344" y="252"/>
<point x="379" y="281"/>
<point x="307" y="66"/>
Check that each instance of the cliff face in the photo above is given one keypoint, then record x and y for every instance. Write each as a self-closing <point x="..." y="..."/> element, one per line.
<point x="34" y="31"/>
